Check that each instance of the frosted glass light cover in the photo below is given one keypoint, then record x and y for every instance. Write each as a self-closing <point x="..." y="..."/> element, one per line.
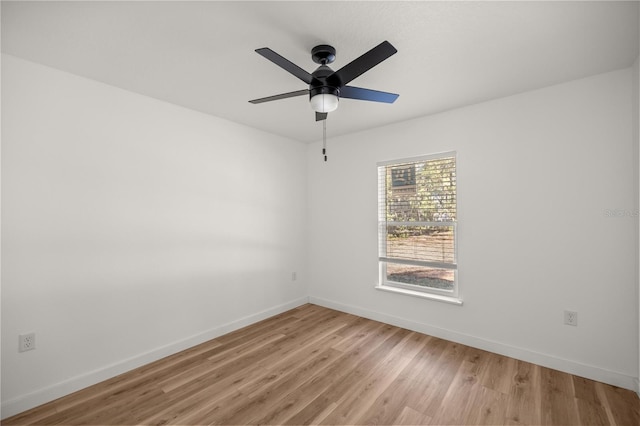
<point x="324" y="102"/>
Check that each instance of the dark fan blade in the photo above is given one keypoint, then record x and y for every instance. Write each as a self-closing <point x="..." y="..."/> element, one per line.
<point x="367" y="94"/>
<point x="285" y="64"/>
<point x="281" y="96"/>
<point x="321" y="116"/>
<point x="362" y="64"/>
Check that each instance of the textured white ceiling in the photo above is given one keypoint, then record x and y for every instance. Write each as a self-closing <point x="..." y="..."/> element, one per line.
<point x="201" y="54"/>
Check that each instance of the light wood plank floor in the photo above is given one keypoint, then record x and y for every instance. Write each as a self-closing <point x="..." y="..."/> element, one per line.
<point x="313" y="365"/>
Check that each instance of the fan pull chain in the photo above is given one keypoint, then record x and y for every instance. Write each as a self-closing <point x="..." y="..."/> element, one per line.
<point x="324" y="139"/>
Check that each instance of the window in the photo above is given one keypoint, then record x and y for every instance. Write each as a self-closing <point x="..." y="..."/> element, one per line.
<point x="417" y="218"/>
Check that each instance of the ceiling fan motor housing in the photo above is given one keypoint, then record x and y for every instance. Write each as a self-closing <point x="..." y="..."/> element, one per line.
<point x="319" y="84"/>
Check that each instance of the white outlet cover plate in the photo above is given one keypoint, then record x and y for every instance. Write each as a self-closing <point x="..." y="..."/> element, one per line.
<point x="26" y="342"/>
<point x="571" y="318"/>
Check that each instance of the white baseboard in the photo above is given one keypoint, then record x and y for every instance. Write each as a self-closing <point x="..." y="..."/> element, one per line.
<point x="41" y="396"/>
<point x="638" y="387"/>
<point x="567" y="366"/>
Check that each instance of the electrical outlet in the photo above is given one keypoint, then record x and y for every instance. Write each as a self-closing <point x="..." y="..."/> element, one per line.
<point x="571" y="318"/>
<point x="26" y="342"/>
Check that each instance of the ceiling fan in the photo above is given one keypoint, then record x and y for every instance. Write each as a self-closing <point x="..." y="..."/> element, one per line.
<point x="327" y="86"/>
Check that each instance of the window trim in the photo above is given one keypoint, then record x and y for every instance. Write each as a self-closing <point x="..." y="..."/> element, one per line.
<point x="421" y="294"/>
<point x="448" y="296"/>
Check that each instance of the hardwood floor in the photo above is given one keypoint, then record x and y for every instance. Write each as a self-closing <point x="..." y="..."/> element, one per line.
<point x="313" y="365"/>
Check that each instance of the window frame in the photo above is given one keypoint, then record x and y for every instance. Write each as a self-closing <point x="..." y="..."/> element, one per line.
<point x="450" y="296"/>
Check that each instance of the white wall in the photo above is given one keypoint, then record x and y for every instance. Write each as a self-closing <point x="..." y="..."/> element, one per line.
<point x="536" y="174"/>
<point x="132" y="228"/>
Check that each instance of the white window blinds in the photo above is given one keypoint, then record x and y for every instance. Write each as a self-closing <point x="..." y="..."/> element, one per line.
<point x="417" y="221"/>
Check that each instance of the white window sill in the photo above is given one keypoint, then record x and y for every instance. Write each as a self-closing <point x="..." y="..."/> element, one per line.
<point x="430" y="296"/>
